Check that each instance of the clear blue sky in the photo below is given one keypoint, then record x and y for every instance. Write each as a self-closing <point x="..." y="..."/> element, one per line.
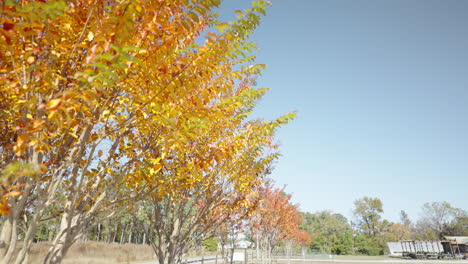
<point x="381" y="91"/>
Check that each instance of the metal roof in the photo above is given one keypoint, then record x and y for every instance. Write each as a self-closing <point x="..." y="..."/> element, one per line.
<point x="458" y="239"/>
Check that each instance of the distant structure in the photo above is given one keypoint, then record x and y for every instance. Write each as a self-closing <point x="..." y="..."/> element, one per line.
<point x="451" y="247"/>
<point x="241" y="244"/>
<point x="457" y="245"/>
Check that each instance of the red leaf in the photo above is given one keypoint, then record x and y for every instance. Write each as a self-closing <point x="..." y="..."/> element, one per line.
<point x="8" y="26"/>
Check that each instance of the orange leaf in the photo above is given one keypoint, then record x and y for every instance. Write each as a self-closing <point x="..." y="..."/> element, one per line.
<point x="37" y="123"/>
<point x="4" y="209"/>
<point x="14" y="186"/>
<point x="12" y="193"/>
<point x="54" y="104"/>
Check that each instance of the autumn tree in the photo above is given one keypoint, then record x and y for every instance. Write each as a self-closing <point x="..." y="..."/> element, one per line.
<point x="103" y="98"/>
<point x="405" y="228"/>
<point x="218" y="190"/>
<point x="397" y="232"/>
<point x="298" y="238"/>
<point x="275" y="221"/>
<point x="235" y="224"/>
<point x="303" y="239"/>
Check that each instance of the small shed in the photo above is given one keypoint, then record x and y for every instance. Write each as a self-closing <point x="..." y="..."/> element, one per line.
<point x="456" y="245"/>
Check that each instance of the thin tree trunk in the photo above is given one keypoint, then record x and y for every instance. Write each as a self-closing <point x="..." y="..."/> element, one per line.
<point x="130" y="234"/>
<point x="50" y="235"/>
<point x="63" y="241"/>
<point x="109" y="233"/>
<point x="98" y="238"/>
<point x="12" y="241"/>
<point x="57" y="252"/>
<point x="258" y="246"/>
<point x="288" y="250"/>
<point x="232" y="254"/>
<point x="23" y="255"/>
<point x="161" y="257"/>
<point x="5" y="236"/>
<point x="115" y="232"/>
<point x="122" y="234"/>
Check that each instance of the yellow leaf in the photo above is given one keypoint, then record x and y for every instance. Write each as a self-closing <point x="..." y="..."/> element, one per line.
<point x="90" y="36"/>
<point x="156" y="160"/>
<point x="31" y="60"/>
<point x="51" y="115"/>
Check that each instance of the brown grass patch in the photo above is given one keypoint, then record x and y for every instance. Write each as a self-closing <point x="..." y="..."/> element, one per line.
<point x="96" y="253"/>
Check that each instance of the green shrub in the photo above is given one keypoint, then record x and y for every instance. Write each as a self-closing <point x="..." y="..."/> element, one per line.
<point x="211" y="244"/>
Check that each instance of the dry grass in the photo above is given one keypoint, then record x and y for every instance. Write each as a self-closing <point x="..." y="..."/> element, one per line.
<point x="96" y="253"/>
<point x="361" y="257"/>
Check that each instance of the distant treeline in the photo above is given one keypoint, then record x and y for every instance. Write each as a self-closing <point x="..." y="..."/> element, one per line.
<point x="367" y="233"/>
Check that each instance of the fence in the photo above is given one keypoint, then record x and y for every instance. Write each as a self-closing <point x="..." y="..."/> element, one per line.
<point x="249" y="257"/>
<point x="237" y="257"/>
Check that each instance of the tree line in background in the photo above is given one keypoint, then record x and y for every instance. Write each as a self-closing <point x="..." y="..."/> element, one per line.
<point x="367" y="233"/>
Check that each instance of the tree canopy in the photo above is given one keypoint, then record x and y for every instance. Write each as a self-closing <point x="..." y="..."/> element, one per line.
<point x="104" y="103"/>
